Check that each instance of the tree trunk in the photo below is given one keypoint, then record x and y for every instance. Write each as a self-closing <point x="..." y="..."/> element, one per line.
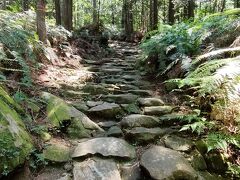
<point x="25" y="5"/>
<point x="129" y="20"/>
<point x="223" y="5"/>
<point x="191" y="8"/>
<point x="58" y="12"/>
<point x="155" y="15"/>
<point x="237" y="4"/>
<point x="67" y="14"/>
<point x="171" y="13"/>
<point x="41" y="24"/>
<point x="95" y="12"/>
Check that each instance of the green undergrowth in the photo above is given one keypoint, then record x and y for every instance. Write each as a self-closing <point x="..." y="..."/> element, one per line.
<point x="189" y="37"/>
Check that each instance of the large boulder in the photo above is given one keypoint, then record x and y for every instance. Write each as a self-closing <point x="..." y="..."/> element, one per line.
<point x="162" y="163"/>
<point x="60" y="113"/>
<point x="138" y="120"/>
<point x="106" y="146"/>
<point x="15" y="142"/>
<point x="96" y="169"/>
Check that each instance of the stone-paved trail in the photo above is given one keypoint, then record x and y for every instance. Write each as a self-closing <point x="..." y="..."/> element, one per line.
<point x="129" y="133"/>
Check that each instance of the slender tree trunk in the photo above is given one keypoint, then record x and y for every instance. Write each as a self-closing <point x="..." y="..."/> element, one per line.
<point x="67" y="14"/>
<point x="151" y="14"/>
<point x="58" y="12"/>
<point x="25" y="5"/>
<point x="41" y="24"/>
<point x="237" y="4"/>
<point x="95" y="12"/>
<point x="223" y="5"/>
<point x="4" y="4"/>
<point x="191" y="8"/>
<point x="129" y="20"/>
<point x="171" y="13"/>
<point x="155" y="15"/>
<point x="164" y="11"/>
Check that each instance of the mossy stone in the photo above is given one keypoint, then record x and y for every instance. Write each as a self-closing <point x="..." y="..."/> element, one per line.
<point x="57" y="153"/>
<point x="15" y="142"/>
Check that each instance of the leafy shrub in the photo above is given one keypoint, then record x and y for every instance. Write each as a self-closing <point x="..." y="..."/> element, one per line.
<point x="17" y="35"/>
<point x="189" y="37"/>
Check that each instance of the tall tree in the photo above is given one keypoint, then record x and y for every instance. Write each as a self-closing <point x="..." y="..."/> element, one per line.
<point x="67" y="13"/>
<point x="237" y="4"/>
<point x="153" y="14"/>
<point x="58" y="12"/>
<point x="95" y="12"/>
<point x="171" y="12"/>
<point x="128" y="19"/>
<point x="25" y="5"/>
<point x="191" y="8"/>
<point x="41" y="24"/>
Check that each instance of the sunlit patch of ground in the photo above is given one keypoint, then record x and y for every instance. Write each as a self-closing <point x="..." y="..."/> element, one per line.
<point x="56" y="77"/>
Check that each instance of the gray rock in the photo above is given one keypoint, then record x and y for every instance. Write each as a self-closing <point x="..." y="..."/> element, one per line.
<point x="94" y="103"/>
<point x="94" y="89"/>
<point x="178" y="143"/>
<point x="96" y="169"/>
<point x="130" y="77"/>
<point x="131" y="108"/>
<point x="150" y="102"/>
<point x="107" y="124"/>
<point x="138" y="120"/>
<point x="81" y="106"/>
<point x="141" y="134"/>
<point x="107" y="146"/>
<point x="131" y="172"/>
<point x="127" y="87"/>
<point x="107" y="110"/>
<point x="121" y="98"/>
<point x="141" y="92"/>
<point x="112" y="70"/>
<point x="157" y="110"/>
<point x="163" y="163"/>
<point x="115" y="131"/>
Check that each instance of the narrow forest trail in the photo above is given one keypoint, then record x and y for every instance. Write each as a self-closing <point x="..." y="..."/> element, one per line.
<point x="140" y="136"/>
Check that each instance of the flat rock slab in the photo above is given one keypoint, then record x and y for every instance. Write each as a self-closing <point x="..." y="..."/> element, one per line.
<point x="94" y="103"/>
<point x="141" y="92"/>
<point x="157" y="110"/>
<point x="112" y="70"/>
<point x="96" y="169"/>
<point x="163" y="163"/>
<point x="138" y="120"/>
<point x="141" y="134"/>
<point x="115" y="131"/>
<point x="178" y="143"/>
<point x="150" y="102"/>
<point x="107" y="110"/>
<point x="107" y="146"/>
<point x="121" y="98"/>
<point x="107" y="124"/>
